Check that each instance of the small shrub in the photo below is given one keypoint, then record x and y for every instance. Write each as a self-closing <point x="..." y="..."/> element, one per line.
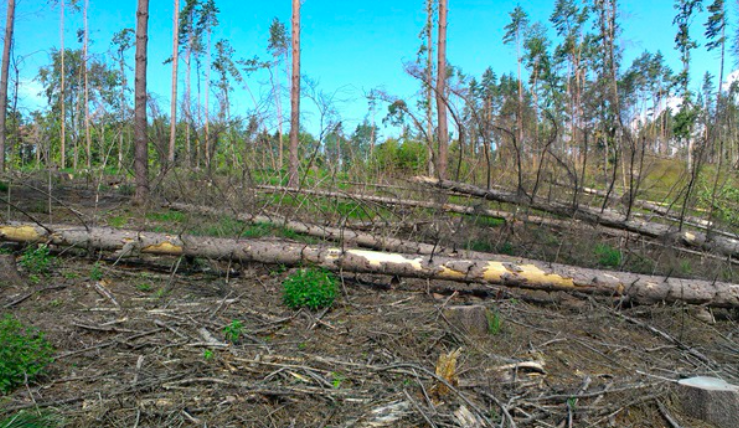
<point x="96" y="273"/>
<point x="207" y="355"/>
<point x="24" y="352"/>
<point x="144" y="287"/>
<point x="310" y="288"/>
<point x="233" y="331"/>
<point x="608" y="256"/>
<point x="36" y="260"/>
<point x="495" y="323"/>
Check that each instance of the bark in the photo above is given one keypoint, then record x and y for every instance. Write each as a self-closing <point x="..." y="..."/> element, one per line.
<point x="522" y="274"/>
<point x="9" y="24"/>
<point x="173" y="99"/>
<point x="720" y="244"/>
<point x="141" y="146"/>
<point x="295" y="97"/>
<point x="443" y="128"/>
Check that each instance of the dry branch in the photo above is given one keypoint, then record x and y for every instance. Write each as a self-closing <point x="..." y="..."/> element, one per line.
<point x="720" y="244"/>
<point x="524" y="274"/>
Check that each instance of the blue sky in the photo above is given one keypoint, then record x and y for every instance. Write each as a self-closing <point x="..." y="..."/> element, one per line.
<point x="349" y="47"/>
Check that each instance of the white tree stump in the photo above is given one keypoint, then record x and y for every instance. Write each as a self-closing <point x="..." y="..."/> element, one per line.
<point x="710" y="399"/>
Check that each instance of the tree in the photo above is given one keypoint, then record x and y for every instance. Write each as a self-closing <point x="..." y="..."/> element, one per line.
<point x="716" y="35"/>
<point x="277" y="45"/>
<point x="122" y="41"/>
<point x="208" y="20"/>
<point x="141" y="144"/>
<point x="175" y="63"/>
<point x="85" y="54"/>
<point x="441" y="76"/>
<point x="684" y="44"/>
<point x="295" y="97"/>
<point x="515" y="32"/>
<point x="9" y="25"/>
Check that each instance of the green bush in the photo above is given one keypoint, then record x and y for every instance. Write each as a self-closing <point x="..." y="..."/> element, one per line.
<point x="233" y="331"/>
<point x="608" y="256"/>
<point x="311" y="288"/>
<point x="36" y="260"/>
<point x="24" y="352"/>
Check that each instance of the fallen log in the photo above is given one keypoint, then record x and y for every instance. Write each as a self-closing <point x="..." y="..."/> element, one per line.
<point x="523" y="274"/>
<point x="446" y="207"/>
<point x="455" y="208"/>
<point x="720" y="244"/>
<point x="663" y="210"/>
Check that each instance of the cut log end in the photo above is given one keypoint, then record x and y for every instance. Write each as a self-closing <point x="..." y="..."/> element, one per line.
<point x="711" y="400"/>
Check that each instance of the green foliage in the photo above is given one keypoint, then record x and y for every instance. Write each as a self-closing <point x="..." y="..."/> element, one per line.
<point x="24" y="352"/>
<point x="144" y="287"/>
<point x="608" y="256"/>
<point x="312" y="288"/>
<point x="507" y="248"/>
<point x="31" y="419"/>
<point x="169" y="216"/>
<point x="495" y="322"/>
<point x="96" y="273"/>
<point x="36" y="260"/>
<point x="3" y="186"/>
<point x="406" y="157"/>
<point x="233" y="331"/>
<point x="336" y="379"/>
<point x="118" y="221"/>
<point x="207" y="355"/>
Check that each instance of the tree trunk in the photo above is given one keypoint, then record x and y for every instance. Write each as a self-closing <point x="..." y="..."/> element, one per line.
<point x="441" y="91"/>
<point x="645" y="289"/>
<point x="720" y="244"/>
<point x="207" y="104"/>
<point x="141" y="155"/>
<point x="85" y="50"/>
<point x="62" y="95"/>
<point x="9" y="24"/>
<point x="429" y="82"/>
<point x="295" y="97"/>
<point x="173" y="99"/>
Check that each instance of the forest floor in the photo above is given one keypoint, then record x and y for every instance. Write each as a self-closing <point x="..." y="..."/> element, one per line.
<point x="153" y="352"/>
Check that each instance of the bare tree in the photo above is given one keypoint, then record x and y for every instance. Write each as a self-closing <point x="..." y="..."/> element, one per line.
<point x="443" y="129"/>
<point x="9" y="22"/>
<point x="175" y="59"/>
<point x="295" y="97"/>
<point x="141" y="155"/>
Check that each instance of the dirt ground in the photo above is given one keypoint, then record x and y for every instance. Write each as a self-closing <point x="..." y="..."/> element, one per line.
<point x="144" y="346"/>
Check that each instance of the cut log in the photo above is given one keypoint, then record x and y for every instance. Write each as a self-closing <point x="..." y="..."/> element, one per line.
<point x="720" y="244"/>
<point x="524" y="274"/>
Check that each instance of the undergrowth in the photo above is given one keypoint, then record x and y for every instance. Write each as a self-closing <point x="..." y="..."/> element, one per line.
<point x="312" y="288"/>
<point x="24" y="352"/>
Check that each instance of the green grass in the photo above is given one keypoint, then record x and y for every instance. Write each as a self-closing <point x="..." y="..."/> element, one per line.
<point x="24" y="353"/>
<point x="495" y="322"/>
<point x="31" y="419"/>
<point x="118" y="221"/>
<point x="312" y="288"/>
<point x="169" y="216"/>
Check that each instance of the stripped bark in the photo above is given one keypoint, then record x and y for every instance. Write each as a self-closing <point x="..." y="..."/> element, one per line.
<point x="720" y="244"/>
<point x="523" y="274"/>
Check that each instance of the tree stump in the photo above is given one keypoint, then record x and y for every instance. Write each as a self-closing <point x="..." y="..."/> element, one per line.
<point x="472" y="319"/>
<point x="710" y="399"/>
<point x="8" y="271"/>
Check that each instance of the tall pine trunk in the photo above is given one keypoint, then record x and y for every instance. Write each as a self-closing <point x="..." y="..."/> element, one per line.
<point x="441" y="91"/>
<point x="173" y="99"/>
<point x="295" y="97"/>
<point x="85" y="50"/>
<point x="9" y="23"/>
<point x="62" y="95"/>
<point x="141" y="155"/>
